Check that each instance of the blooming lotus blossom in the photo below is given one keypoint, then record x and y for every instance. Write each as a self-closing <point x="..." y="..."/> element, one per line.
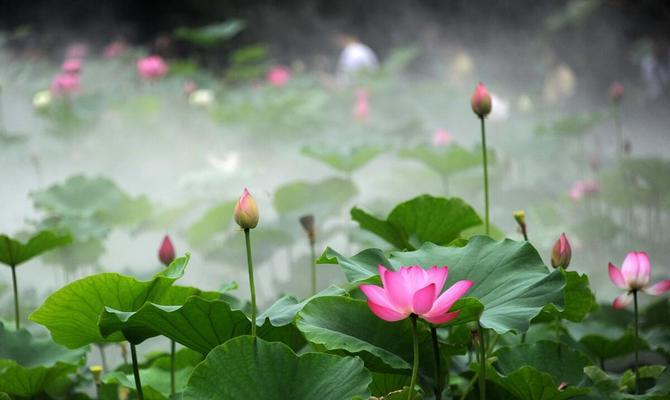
<point x="65" y="84"/>
<point x="634" y="275"/>
<point x="71" y="66"/>
<point x="246" y="211"/>
<point x="581" y="189"/>
<point x="441" y="137"/>
<point x="166" y="253"/>
<point x="481" y="101"/>
<point x="414" y="290"/>
<point x="278" y="76"/>
<point x="151" y="67"/>
<point x="362" y="107"/>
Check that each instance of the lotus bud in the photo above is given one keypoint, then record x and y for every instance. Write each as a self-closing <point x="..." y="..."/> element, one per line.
<point x="481" y="101"/>
<point x="616" y="92"/>
<point x="562" y="386"/>
<point x="520" y="218"/>
<point x="307" y="222"/>
<point x="96" y="371"/>
<point x="561" y="253"/>
<point x="166" y="252"/>
<point x="246" y="211"/>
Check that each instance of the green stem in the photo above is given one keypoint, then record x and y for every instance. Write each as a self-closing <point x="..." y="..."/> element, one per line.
<point x="637" y="355"/>
<point x="136" y="372"/>
<point x="619" y="131"/>
<point x="415" y="368"/>
<point x="252" y="287"/>
<point x="103" y="357"/>
<point x="313" y="266"/>
<point x="173" y="366"/>
<point x="486" y="178"/>
<point x="482" y="362"/>
<point x="17" y="316"/>
<point x="436" y="355"/>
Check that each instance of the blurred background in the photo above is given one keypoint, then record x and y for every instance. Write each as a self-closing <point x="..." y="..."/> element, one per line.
<point x="123" y="121"/>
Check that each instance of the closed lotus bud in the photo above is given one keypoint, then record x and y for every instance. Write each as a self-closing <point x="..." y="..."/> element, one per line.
<point x="307" y="222"/>
<point x="96" y="371"/>
<point x="561" y="253"/>
<point x="481" y="101"/>
<point x="562" y="386"/>
<point x="246" y="211"/>
<point x="166" y="252"/>
<point x="616" y="92"/>
<point x="520" y="217"/>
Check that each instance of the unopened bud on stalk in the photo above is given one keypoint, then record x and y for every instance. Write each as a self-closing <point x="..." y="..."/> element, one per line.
<point x="307" y="222"/>
<point x="520" y="218"/>
<point x="96" y="371"/>
<point x="561" y="253"/>
<point x="166" y="252"/>
<point x="481" y="101"/>
<point x="616" y="92"/>
<point x="246" y="211"/>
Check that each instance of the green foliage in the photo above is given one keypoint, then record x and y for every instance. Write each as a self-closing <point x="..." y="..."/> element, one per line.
<point x="346" y="160"/>
<point x="323" y="199"/>
<point x="211" y="35"/>
<point x="14" y="252"/>
<point x="447" y="160"/>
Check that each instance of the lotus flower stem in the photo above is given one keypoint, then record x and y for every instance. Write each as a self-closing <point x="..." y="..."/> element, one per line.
<point x="17" y="316"/>
<point x="252" y="287"/>
<point x="619" y="130"/>
<point x="136" y="372"/>
<point x="482" y="362"/>
<point x="637" y="352"/>
<point x="103" y="356"/>
<point x="436" y="355"/>
<point x="173" y="366"/>
<point x="415" y="368"/>
<point x="486" y="177"/>
<point x="313" y="266"/>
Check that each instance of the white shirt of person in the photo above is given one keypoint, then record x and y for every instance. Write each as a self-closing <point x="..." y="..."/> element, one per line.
<point x="354" y="58"/>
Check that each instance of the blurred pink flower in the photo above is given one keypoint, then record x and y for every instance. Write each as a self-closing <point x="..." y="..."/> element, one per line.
<point x="634" y="275"/>
<point x="616" y="92"/>
<point x="166" y="252"/>
<point x="76" y="50"/>
<point x="442" y="137"/>
<point x="151" y="67"/>
<point x="114" y="49"/>
<point x="362" y="107"/>
<point x="278" y="76"/>
<point x="71" y="66"/>
<point x="65" y="84"/>
<point x="190" y="86"/>
<point x="414" y="290"/>
<point x="583" y="188"/>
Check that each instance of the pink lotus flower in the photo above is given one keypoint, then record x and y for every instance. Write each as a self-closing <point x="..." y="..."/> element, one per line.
<point x="166" y="253"/>
<point x="581" y="189"/>
<point x="414" y="290"/>
<point x="634" y="275"/>
<point x="65" y="84"/>
<point x="441" y="137"/>
<point x="481" y="101"/>
<point x="561" y="253"/>
<point x="114" y="49"/>
<point x="616" y="92"/>
<point x="246" y="211"/>
<point x="362" y="107"/>
<point x="151" y="67"/>
<point x="71" y="66"/>
<point x="278" y="76"/>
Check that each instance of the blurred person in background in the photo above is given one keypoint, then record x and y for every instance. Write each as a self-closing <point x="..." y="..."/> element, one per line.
<point x="355" y="57"/>
<point x="655" y="69"/>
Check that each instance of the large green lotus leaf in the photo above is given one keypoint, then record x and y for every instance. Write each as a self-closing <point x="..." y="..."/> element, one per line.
<point x="510" y="279"/>
<point x="527" y="383"/>
<point x="603" y="340"/>
<point x="71" y="313"/>
<point x="574" y="125"/>
<point x="76" y="255"/>
<point x="284" y="310"/>
<point x="210" y="224"/>
<point x="346" y="160"/>
<point x="14" y="252"/>
<point x="382" y="383"/>
<point x="446" y="160"/>
<point x="422" y="219"/>
<point x="578" y="300"/>
<point x="323" y="199"/>
<point x="153" y="378"/>
<point x="29" y="367"/>
<point x="248" y="368"/>
<point x="211" y="35"/>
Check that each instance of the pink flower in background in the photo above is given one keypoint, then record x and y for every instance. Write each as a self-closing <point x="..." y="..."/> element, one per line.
<point x="151" y="67"/>
<point x="414" y="290"/>
<point x="616" y="92"/>
<point x="581" y="189"/>
<point x="65" y="84"/>
<point x="114" y="49"/>
<point x="278" y="76"/>
<point x="71" y="66"/>
<point x="441" y="137"/>
<point x="362" y="107"/>
<point x="76" y="50"/>
<point x="166" y="252"/>
<point x="634" y="275"/>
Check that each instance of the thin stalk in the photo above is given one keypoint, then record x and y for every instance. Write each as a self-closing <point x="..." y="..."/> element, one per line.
<point x="252" y="287"/>
<point x="415" y="368"/>
<point x="619" y="131"/>
<point x="17" y="316"/>
<point x="486" y="178"/>
<point x="436" y="355"/>
<point x="173" y="366"/>
<point x="136" y="372"/>
<point x="482" y="362"/>
<point x="524" y="231"/>
<point x="103" y="357"/>
<point x="637" y="355"/>
<point x="313" y="265"/>
<point x="602" y="363"/>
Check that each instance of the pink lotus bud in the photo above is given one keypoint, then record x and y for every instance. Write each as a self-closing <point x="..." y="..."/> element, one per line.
<point x="151" y="67"/>
<point x="65" y="84"/>
<point x="278" y="76"/>
<point x="246" y="211"/>
<point x="166" y="252"/>
<point x="616" y="92"/>
<point x="481" y="101"/>
<point x="413" y="290"/>
<point x="441" y="137"/>
<point x="584" y="188"/>
<point x="362" y="107"/>
<point x="71" y="66"/>
<point x="561" y="253"/>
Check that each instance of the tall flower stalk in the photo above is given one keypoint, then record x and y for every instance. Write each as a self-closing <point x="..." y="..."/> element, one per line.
<point x="481" y="105"/>
<point x="17" y="315"/>
<point x="307" y="223"/>
<point x="482" y="362"/>
<point x="438" y="366"/>
<point x="246" y="216"/>
<point x="136" y="372"/>
<point x="415" y="366"/>
<point x="166" y="254"/>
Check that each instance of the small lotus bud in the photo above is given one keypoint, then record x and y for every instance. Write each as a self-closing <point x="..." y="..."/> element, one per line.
<point x="520" y="217"/>
<point x="561" y="253"/>
<point x="481" y="101"/>
<point x="562" y="386"/>
<point x="307" y="222"/>
<point x="166" y="252"/>
<point x="246" y="211"/>
<point x="616" y="92"/>
<point x="96" y="371"/>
